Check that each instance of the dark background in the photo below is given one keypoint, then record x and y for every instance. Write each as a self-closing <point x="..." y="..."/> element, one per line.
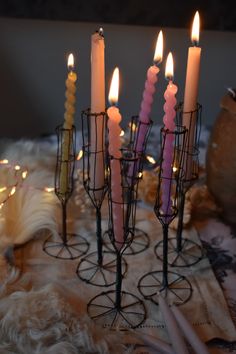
<point x="218" y="14"/>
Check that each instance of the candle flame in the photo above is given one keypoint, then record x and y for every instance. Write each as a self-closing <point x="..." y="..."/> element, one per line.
<point x="114" y="87"/>
<point x="4" y="161"/>
<point x="49" y="189"/>
<point x="140" y="175"/>
<point x="132" y="126"/>
<point x="151" y="159"/>
<point x="122" y="133"/>
<point x="17" y="167"/>
<point x="196" y="29"/>
<point x="169" y="72"/>
<point x="3" y="189"/>
<point x="159" y="49"/>
<point x="175" y="169"/>
<point x="70" y="62"/>
<point x="80" y="154"/>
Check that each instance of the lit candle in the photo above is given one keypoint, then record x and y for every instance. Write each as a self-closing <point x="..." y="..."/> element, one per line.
<point x="191" y="92"/>
<point x="114" y="147"/>
<point x="146" y="105"/>
<point x="97" y="127"/>
<point x="189" y="332"/>
<point x="169" y="126"/>
<point x="173" y="330"/>
<point x="68" y="123"/>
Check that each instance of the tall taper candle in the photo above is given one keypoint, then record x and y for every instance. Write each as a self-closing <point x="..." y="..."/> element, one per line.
<point x="168" y="119"/>
<point x="97" y="131"/>
<point x="114" y="151"/>
<point x="191" y="93"/>
<point x="68" y="123"/>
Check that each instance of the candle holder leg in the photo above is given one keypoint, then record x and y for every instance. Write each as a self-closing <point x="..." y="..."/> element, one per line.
<point x="71" y="245"/>
<point x="117" y="308"/>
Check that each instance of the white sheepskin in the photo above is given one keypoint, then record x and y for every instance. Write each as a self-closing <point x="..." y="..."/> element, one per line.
<point x="42" y="322"/>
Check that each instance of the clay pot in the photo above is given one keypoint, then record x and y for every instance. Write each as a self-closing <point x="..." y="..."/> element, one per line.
<point x="221" y="159"/>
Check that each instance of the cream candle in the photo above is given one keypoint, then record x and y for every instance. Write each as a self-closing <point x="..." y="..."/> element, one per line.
<point x="149" y="90"/>
<point x="68" y="123"/>
<point x="191" y="93"/>
<point x="169" y="126"/>
<point x="189" y="332"/>
<point x="115" y="152"/>
<point x="97" y="123"/>
<point x="174" y="333"/>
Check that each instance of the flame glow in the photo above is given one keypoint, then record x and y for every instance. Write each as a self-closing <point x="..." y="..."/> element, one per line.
<point x="169" y="72"/>
<point x="122" y="133"/>
<point x="3" y="189"/>
<point x="114" y="87"/>
<point x="13" y="191"/>
<point x="24" y="174"/>
<point x="174" y="169"/>
<point x="196" y="28"/>
<point x="17" y="167"/>
<point x="132" y="126"/>
<point x="159" y="48"/>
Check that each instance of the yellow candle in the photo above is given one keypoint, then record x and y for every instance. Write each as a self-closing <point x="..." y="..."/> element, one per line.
<point x="191" y="92"/>
<point x="68" y="123"/>
<point x="97" y="124"/>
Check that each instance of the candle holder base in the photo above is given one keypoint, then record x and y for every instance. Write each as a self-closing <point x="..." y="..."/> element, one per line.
<point x="102" y="274"/>
<point x="74" y="247"/>
<point x="104" y="310"/>
<point x="139" y="244"/>
<point x="177" y="289"/>
<point x="190" y="253"/>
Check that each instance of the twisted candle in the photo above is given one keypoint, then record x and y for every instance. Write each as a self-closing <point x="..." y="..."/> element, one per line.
<point x="169" y="127"/>
<point x="115" y="152"/>
<point x="68" y="123"/>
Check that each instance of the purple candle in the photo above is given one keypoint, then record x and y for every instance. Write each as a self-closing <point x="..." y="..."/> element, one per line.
<point x="149" y="89"/>
<point x="169" y="126"/>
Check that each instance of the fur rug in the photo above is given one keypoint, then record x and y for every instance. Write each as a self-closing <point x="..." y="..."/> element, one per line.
<point x="43" y="321"/>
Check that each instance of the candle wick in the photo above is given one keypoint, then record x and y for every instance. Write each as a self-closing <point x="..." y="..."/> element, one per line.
<point x="100" y="32"/>
<point x="195" y="43"/>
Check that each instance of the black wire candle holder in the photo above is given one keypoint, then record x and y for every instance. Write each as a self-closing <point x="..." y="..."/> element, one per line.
<point x="71" y="245"/>
<point x="174" y="286"/>
<point x="141" y="240"/>
<point x="184" y="252"/>
<point x="118" y="308"/>
<point x="97" y="268"/>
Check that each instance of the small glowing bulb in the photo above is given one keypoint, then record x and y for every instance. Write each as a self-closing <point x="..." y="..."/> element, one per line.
<point x="122" y="133"/>
<point x="80" y="154"/>
<point x="13" y="190"/>
<point x="140" y="174"/>
<point x="49" y="189"/>
<point x="3" y="189"/>
<point x="175" y="168"/>
<point x="17" y="167"/>
<point x="151" y="159"/>
<point x="24" y="174"/>
<point x="4" y="161"/>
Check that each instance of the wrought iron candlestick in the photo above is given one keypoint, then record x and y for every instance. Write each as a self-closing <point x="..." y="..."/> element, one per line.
<point x="141" y="240"/>
<point x="173" y="285"/>
<point x="185" y="252"/>
<point x="71" y="245"/>
<point x="97" y="268"/>
<point x="117" y="308"/>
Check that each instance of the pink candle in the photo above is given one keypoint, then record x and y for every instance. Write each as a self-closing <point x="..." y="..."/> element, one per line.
<point x="189" y="332"/>
<point x="191" y="93"/>
<point x="114" y="151"/>
<point x="168" y="119"/>
<point x="146" y="105"/>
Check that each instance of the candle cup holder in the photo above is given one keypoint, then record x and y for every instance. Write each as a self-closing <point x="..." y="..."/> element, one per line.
<point x="97" y="268"/>
<point x="184" y="252"/>
<point x="141" y="239"/>
<point x="71" y="245"/>
<point x="175" y="287"/>
<point x="117" y="308"/>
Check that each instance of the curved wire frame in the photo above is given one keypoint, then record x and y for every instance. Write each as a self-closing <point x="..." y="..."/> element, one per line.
<point x="71" y="245"/>
<point x="118" y="308"/>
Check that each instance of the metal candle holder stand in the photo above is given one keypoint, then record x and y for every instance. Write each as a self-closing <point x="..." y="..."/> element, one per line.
<point x="97" y="268"/>
<point x="117" y="308"/>
<point x="175" y="287"/>
<point x="141" y="239"/>
<point x="184" y="252"/>
<point x="71" y="245"/>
